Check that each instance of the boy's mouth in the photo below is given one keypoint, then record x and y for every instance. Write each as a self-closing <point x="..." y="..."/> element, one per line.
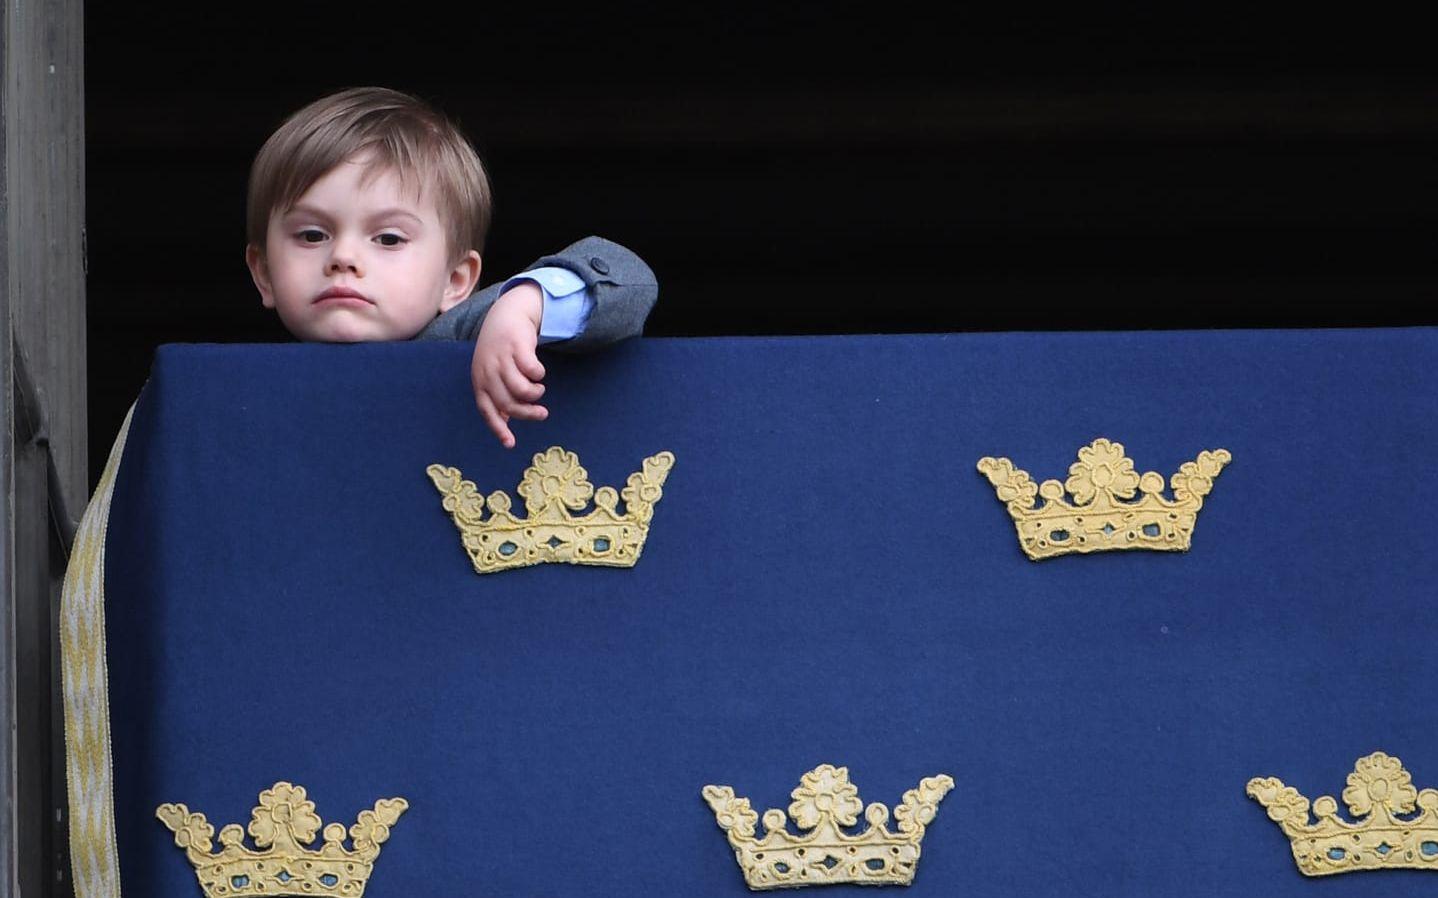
<point x="343" y="296"/>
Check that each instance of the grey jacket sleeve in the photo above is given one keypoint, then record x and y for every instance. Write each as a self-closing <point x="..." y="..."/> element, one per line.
<point x="623" y="287"/>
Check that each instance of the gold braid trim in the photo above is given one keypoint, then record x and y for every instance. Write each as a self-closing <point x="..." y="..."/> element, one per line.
<point x="94" y="862"/>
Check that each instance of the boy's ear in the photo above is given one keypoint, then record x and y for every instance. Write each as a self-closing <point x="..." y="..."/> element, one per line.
<point x="260" y="274"/>
<point x="463" y="278"/>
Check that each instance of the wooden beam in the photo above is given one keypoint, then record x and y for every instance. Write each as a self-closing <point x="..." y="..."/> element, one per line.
<point x="43" y="463"/>
<point x="9" y="843"/>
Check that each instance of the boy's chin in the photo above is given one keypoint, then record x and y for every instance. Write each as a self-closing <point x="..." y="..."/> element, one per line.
<point x="348" y="329"/>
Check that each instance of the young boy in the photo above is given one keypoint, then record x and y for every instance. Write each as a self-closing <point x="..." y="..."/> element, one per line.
<point x="366" y="215"/>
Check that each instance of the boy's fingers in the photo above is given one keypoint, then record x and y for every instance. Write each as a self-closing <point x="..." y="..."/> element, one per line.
<point x="520" y="387"/>
<point x="492" y="417"/>
<point x="499" y="394"/>
<point x="488" y="379"/>
<point x="528" y="412"/>
<point x="509" y="407"/>
<point x="529" y="364"/>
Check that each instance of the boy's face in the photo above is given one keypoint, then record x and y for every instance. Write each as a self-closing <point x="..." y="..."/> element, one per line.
<point x="359" y="258"/>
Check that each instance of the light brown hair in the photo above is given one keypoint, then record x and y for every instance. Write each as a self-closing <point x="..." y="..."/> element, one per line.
<point x="400" y="133"/>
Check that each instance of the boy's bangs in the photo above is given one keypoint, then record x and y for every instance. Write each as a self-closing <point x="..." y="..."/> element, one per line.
<point x="407" y="162"/>
<point x="396" y="133"/>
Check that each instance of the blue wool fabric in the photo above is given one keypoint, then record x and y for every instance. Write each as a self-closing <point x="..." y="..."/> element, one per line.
<point x="827" y="579"/>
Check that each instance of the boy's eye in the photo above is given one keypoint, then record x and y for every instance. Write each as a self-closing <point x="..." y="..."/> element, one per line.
<point x="390" y="239"/>
<point x="311" y="235"/>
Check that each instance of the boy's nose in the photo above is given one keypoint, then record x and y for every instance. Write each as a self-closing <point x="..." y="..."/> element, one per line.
<point x="340" y="264"/>
<point x="343" y="259"/>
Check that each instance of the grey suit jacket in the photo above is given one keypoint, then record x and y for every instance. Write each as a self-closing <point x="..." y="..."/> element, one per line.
<point x="623" y="287"/>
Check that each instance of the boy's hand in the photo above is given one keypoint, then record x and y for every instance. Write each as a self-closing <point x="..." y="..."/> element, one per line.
<point x="505" y="370"/>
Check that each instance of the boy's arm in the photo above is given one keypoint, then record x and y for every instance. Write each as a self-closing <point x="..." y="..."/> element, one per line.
<point x="590" y="294"/>
<point x="620" y="286"/>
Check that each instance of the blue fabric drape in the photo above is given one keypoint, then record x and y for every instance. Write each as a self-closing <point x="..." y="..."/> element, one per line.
<point x="827" y="579"/>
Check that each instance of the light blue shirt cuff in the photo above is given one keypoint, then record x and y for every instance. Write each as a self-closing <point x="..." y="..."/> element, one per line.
<point x="567" y="302"/>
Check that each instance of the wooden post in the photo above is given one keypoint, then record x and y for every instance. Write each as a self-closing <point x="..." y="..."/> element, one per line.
<point x="9" y="844"/>
<point x="43" y="459"/>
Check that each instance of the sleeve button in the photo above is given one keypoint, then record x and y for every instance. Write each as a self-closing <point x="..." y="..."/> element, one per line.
<point x="599" y="265"/>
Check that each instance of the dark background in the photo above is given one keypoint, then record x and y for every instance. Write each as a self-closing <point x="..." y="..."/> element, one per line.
<point x="810" y="168"/>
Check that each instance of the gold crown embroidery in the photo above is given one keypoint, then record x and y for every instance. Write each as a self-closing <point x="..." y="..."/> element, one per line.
<point x="1379" y="790"/>
<point x="553" y="487"/>
<point x="1100" y="519"/>
<point x="824" y="802"/>
<point x="284" y="821"/>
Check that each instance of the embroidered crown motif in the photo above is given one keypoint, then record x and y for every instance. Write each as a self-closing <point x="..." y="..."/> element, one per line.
<point x="554" y="486"/>
<point x="824" y="802"/>
<point x="1101" y="518"/>
<point x="1379" y="789"/>
<point x="284" y="821"/>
